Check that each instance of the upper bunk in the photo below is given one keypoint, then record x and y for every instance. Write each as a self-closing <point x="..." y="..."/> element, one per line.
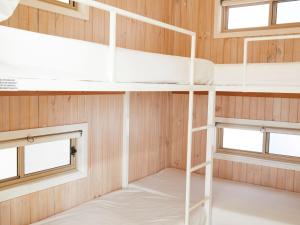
<point x="45" y="62"/>
<point x="38" y="62"/>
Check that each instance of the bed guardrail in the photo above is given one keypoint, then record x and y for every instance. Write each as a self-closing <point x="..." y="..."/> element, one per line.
<point x="113" y="13"/>
<point x="263" y="38"/>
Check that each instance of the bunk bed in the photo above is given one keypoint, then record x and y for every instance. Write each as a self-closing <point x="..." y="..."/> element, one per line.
<point x="276" y="207"/>
<point x="95" y="67"/>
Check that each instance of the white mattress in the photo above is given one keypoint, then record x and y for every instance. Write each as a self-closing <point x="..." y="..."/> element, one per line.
<point x="275" y="74"/>
<point x="26" y="54"/>
<point x="233" y="203"/>
<point x="128" y="207"/>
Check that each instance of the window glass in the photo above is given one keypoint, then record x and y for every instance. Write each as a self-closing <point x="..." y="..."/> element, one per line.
<point x="8" y="163"/>
<point x="248" y="16"/>
<point x="288" y="12"/>
<point x="239" y="139"/>
<point x="39" y="157"/>
<point x="64" y="1"/>
<point x="284" y="144"/>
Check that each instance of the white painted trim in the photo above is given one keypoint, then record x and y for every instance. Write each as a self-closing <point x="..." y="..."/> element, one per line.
<point x="81" y="13"/>
<point x="45" y="183"/>
<point x="210" y="149"/>
<point x="112" y="45"/>
<point x="258" y="88"/>
<point x="257" y="161"/>
<point x="189" y="158"/>
<point x="73" y="85"/>
<point x="258" y="123"/>
<point x="125" y="152"/>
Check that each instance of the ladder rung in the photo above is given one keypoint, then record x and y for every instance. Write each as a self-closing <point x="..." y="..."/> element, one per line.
<point x="200" y="166"/>
<point x="199" y="203"/>
<point x="196" y="129"/>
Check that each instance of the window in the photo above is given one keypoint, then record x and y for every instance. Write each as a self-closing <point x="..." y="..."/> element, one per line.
<point x="261" y="142"/>
<point x="64" y="3"/>
<point x="28" y="158"/>
<point x="266" y="17"/>
<point x="288" y="12"/>
<point x="248" y="16"/>
<point x="64" y="7"/>
<point x="241" y="139"/>
<point x="8" y="165"/>
<point x="284" y="144"/>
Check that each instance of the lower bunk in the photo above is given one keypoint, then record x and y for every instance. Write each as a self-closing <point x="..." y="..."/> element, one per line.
<point x="159" y="199"/>
<point x="130" y="206"/>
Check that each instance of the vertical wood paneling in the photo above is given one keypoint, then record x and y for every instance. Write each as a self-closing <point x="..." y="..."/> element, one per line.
<point x="42" y="205"/>
<point x="20" y="211"/>
<point x="104" y="114"/>
<point x="149" y="133"/>
<point x="4" y="113"/>
<point x="195" y="15"/>
<point x="245" y="107"/>
<point x="5" y="213"/>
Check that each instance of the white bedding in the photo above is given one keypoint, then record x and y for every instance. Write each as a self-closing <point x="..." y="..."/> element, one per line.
<point x="128" y="207"/>
<point x="277" y="74"/>
<point x="233" y="203"/>
<point x="29" y="55"/>
<point x="26" y="54"/>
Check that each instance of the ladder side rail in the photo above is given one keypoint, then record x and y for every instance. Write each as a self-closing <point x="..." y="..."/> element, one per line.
<point x="190" y="131"/>
<point x="210" y="148"/>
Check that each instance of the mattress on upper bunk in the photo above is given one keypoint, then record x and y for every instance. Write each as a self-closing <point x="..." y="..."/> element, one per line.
<point x="272" y="74"/>
<point x="128" y="207"/>
<point x="26" y="54"/>
<point x="233" y="203"/>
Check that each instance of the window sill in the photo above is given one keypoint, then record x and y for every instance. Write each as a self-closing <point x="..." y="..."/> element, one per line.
<point x="35" y="186"/>
<point x="255" y="33"/>
<point x="32" y="186"/>
<point x="81" y="13"/>
<point x="257" y="161"/>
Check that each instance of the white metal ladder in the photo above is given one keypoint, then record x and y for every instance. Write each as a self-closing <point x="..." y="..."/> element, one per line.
<point x="208" y="164"/>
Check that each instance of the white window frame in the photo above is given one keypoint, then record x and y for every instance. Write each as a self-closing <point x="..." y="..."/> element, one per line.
<point x="81" y="11"/>
<point x="81" y="170"/>
<point x="252" y="157"/>
<point x="218" y="19"/>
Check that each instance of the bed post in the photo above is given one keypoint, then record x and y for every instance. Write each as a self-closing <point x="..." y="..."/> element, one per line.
<point x="190" y="131"/>
<point x="210" y="148"/>
<point x="112" y="45"/>
<point x="125" y="151"/>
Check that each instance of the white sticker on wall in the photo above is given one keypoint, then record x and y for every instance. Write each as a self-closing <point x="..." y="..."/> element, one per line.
<point x="8" y="84"/>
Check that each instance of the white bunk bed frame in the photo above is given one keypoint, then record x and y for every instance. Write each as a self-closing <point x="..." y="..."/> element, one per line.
<point x="191" y="88"/>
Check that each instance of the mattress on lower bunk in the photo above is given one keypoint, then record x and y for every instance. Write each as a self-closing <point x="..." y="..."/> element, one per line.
<point x="128" y="207"/>
<point x="233" y="203"/>
<point x="53" y="57"/>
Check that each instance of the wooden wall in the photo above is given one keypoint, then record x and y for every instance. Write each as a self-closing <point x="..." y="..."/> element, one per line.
<point x="158" y="135"/>
<point x="236" y="106"/>
<point x="150" y="134"/>
<point x="197" y="15"/>
<point x="104" y="115"/>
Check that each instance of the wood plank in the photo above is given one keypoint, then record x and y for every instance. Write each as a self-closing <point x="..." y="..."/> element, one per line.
<point x="41" y="205"/>
<point x="5" y="213"/>
<point x="20" y="211"/>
